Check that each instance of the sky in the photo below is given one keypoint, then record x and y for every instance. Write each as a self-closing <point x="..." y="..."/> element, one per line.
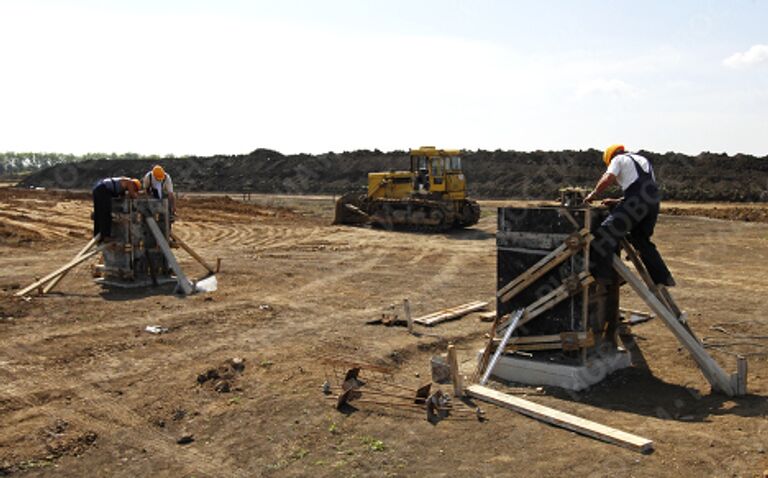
<point x="229" y="76"/>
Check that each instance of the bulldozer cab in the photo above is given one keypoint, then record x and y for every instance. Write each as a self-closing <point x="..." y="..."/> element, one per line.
<point x="438" y="171"/>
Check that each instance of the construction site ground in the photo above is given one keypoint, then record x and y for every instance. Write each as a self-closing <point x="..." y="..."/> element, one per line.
<point x="86" y="391"/>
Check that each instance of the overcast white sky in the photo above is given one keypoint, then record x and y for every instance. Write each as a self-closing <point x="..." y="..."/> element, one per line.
<point x="227" y="76"/>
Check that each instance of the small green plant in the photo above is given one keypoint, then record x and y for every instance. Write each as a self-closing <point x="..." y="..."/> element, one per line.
<point x="235" y="400"/>
<point x="266" y="363"/>
<point x="299" y="454"/>
<point x="373" y="444"/>
<point x="333" y="429"/>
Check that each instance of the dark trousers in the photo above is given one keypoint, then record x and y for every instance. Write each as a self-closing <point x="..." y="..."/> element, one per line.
<point x="102" y="211"/>
<point x="634" y="219"/>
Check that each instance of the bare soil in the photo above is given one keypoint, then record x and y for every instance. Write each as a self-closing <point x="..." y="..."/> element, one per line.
<point x="85" y="391"/>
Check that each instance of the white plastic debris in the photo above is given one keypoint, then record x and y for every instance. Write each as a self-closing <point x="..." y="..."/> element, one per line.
<point x="209" y="284"/>
<point x="155" y="329"/>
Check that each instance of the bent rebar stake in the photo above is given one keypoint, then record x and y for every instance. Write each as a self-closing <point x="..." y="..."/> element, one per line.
<point x="502" y="345"/>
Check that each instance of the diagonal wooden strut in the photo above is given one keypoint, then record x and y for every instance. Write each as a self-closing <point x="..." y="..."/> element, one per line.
<point x="70" y="265"/>
<point x="192" y="253"/>
<point x="536" y="271"/>
<point x="181" y="278"/>
<point x="714" y="374"/>
<point x="85" y="249"/>
<point x="660" y="291"/>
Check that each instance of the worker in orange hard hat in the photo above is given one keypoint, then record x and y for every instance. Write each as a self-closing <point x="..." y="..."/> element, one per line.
<point x="103" y="192"/>
<point x="158" y="184"/>
<point x="633" y="216"/>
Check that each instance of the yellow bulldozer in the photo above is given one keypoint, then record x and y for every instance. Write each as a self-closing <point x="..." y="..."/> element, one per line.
<point x="432" y="196"/>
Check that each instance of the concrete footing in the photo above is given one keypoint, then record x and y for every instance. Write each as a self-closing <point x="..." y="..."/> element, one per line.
<point x="570" y="377"/>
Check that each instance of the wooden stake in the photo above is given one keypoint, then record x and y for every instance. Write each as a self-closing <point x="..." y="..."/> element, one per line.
<point x="453" y="363"/>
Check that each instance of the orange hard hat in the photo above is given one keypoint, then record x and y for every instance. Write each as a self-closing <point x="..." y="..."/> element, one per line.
<point x="158" y="172"/>
<point x="612" y="151"/>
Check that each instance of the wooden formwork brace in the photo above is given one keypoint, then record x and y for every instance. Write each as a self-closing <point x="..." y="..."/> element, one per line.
<point x="715" y="375"/>
<point x="568" y="248"/>
<point x="184" y="285"/>
<point x="85" y="249"/>
<point x="191" y="252"/>
<point x="65" y="268"/>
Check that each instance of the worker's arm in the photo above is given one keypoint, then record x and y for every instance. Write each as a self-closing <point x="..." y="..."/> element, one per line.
<point x="130" y="187"/>
<point x="605" y="182"/>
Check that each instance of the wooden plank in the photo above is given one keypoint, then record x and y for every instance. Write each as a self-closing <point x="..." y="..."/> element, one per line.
<point x="85" y="249"/>
<point x="453" y="363"/>
<point x="450" y="313"/>
<point x="550" y="342"/>
<point x="562" y="419"/>
<point x="711" y="370"/>
<point x="541" y="339"/>
<point x="70" y="265"/>
<point x="181" y="278"/>
<point x="500" y="349"/>
<point x="192" y="253"/>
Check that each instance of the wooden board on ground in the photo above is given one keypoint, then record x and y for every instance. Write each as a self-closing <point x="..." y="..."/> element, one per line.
<point x="450" y="313"/>
<point x="562" y="419"/>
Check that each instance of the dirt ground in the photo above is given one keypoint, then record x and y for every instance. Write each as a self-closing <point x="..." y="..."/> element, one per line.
<point x="85" y="391"/>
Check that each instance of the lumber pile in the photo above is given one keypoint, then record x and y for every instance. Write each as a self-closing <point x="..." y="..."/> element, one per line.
<point x="450" y="313"/>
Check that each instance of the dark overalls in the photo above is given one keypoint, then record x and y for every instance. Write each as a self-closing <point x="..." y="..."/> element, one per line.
<point x="103" y="192"/>
<point x="635" y="218"/>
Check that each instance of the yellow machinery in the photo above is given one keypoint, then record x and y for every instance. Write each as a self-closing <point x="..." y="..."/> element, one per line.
<point x="431" y="196"/>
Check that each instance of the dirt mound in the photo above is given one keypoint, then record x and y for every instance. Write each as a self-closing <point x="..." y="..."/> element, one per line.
<point x="737" y="213"/>
<point x="223" y="378"/>
<point x="491" y="174"/>
<point x="210" y="207"/>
